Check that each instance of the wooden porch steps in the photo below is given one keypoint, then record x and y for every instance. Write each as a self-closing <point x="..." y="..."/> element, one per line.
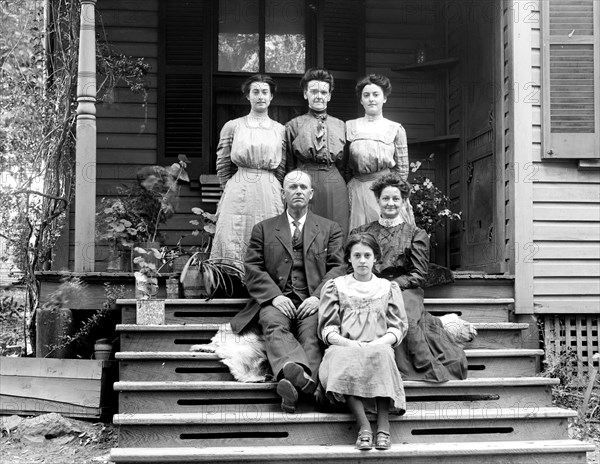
<point x="181" y="406"/>
<point x="182" y="365"/>
<point x="220" y="425"/>
<point x="179" y="337"/>
<point x="492" y="452"/>
<point x="163" y="397"/>
<point x="199" y="311"/>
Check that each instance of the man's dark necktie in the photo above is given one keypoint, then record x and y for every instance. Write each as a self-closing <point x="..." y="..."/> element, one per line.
<point x="296" y="234"/>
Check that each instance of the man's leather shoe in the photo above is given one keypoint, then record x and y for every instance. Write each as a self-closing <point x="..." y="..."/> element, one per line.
<point x="289" y="396"/>
<point x="299" y="378"/>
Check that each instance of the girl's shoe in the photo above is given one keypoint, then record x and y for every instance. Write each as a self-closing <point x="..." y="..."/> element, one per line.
<point x="383" y="441"/>
<point x="364" y="440"/>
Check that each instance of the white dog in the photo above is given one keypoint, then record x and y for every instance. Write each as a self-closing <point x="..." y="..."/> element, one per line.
<point x="246" y="357"/>
<point x="460" y="331"/>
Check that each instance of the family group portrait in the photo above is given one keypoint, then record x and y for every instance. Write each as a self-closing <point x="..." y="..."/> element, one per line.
<point x="293" y="230"/>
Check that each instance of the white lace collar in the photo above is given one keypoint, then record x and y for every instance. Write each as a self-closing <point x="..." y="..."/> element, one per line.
<point x="387" y="223"/>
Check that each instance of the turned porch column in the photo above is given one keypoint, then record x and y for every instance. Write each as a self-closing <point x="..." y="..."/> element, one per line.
<point x="85" y="170"/>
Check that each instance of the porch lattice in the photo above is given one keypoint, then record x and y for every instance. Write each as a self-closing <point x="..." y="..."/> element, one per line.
<point x="576" y="333"/>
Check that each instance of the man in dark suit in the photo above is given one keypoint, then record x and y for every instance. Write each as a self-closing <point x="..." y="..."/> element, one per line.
<point x="289" y="258"/>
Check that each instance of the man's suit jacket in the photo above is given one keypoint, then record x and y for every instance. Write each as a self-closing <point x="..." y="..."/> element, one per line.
<point x="269" y="260"/>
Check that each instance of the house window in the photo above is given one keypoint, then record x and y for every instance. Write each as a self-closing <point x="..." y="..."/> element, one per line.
<point x="262" y="36"/>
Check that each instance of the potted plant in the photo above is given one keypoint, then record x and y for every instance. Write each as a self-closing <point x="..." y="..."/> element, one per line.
<point x="201" y="276"/>
<point x="430" y="206"/>
<point x="121" y="227"/>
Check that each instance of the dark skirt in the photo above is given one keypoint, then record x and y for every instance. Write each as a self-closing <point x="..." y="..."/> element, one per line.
<point x="330" y="198"/>
<point x="427" y="352"/>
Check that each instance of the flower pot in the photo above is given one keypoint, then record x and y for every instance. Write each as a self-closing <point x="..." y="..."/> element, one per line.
<point x="193" y="284"/>
<point x="119" y="259"/>
<point x="102" y="349"/>
<point x="172" y="288"/>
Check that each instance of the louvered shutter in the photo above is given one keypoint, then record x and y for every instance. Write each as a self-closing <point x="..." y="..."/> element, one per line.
<point x="343" y="53"/>
<point x="571" y="80"/>
<point x="185" y="44"/>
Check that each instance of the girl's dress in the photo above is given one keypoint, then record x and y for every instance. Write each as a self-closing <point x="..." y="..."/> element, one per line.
<point x="427" y="352"/>
<point x="376" y="148"/>
<point x="315" y="143"/>
<point x="250" y="168"/>
<point x="362" y="311"/>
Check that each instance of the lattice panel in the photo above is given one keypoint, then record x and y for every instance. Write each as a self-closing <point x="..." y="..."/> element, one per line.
<point x="579" y="333"/>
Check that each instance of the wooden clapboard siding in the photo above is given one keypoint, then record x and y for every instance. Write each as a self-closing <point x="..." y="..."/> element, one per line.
<point x="563" y="250"/>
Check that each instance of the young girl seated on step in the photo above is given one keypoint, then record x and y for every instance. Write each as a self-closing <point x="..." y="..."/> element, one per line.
<point x="361" y="319"/>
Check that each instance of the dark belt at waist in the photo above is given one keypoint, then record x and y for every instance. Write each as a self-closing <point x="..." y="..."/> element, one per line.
<point x="319" y="166"/>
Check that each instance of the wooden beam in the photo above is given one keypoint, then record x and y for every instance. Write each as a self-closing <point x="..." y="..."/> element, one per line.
<point x="85" y="148"/>
<point x="522" y="154"/>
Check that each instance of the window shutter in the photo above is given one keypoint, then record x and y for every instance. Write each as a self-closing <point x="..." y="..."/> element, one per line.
<point x="182" y="90"/>
<point x="343" y="53"/>
<point x="571" y="80"/>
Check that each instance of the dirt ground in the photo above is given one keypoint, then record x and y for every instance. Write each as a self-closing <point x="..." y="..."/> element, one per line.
<point x="90" y="446"/>
<point x="93" y="444"/>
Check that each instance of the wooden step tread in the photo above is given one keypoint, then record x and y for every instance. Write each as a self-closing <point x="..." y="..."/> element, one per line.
<point x="166" y="327"/>
<point x="507" y="353"/>
<point x="279" y="417"/>
<point x="500" y="325"/>
<point x="129" y="355"/>
<point x="191" y="301"/>
<point x="243" y="301"/>
<point x="234" y="386"/>
<point x="345" y="452"/>
<point x="215" y="327"/>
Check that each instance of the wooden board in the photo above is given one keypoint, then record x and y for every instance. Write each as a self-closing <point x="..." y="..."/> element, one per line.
<point x="72" y="387"/>
<point x="409" y="429"/>
<point x="490" y="452"/>
<point x="179" y="370"/>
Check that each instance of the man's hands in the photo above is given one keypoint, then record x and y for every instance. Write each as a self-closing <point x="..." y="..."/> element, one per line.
<point x="285" y="305"/>
<point x="307" y="308"/>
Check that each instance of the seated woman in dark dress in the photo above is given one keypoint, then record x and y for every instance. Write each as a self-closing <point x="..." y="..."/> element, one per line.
<point x="427" y="352"/>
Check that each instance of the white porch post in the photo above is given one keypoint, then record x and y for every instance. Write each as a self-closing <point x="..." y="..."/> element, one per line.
<point x="523" y="154"/>
<point x="85" y="174"/>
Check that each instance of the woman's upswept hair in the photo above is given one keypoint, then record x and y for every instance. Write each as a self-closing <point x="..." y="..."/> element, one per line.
<point x="391" y="180"/>
<point x="258" y="78"/>
<point x="317" y="74"/>
<point x="377" y="79"/>
<point x="363" y="238"/>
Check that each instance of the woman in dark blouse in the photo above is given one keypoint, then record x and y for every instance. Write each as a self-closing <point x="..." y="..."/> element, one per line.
<point x="315" y="143"/>
<point x="427" y="352"/>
